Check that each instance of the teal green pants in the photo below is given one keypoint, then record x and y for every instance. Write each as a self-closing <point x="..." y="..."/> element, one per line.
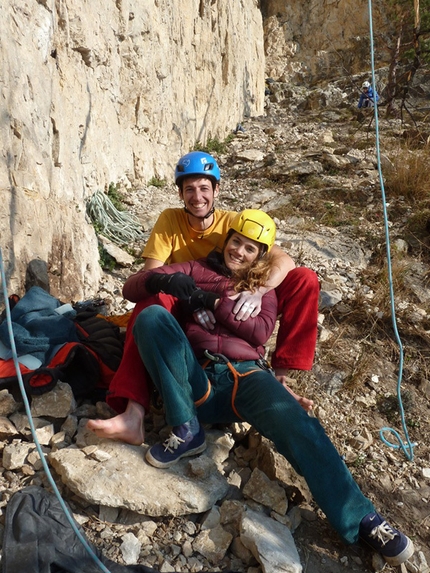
<point x="261" y="401"/>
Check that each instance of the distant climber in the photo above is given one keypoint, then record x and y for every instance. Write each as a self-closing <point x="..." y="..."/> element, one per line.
<point x="367" y="97"/>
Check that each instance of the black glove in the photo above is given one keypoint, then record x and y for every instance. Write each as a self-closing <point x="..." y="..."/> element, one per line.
<point x="202" y="299"/>
<point x="179" y="285"/>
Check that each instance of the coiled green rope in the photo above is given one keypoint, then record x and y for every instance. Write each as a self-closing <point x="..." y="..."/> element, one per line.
<point x="120" y="227"/>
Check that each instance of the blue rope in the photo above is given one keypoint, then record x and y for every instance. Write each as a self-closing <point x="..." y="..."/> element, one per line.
<point x="33" y="431"/>
<point x="406" y="448"/>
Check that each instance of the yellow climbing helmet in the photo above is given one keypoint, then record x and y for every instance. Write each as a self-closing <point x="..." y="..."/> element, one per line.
<point x="255" y="225"/>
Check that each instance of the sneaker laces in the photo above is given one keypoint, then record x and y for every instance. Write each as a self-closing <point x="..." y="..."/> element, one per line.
<point x="172" y="443"/>
<point x="383" y="533"/>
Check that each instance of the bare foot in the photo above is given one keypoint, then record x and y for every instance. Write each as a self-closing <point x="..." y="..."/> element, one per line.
<point x="305" y="403"/>
<point x="126" y="427"/>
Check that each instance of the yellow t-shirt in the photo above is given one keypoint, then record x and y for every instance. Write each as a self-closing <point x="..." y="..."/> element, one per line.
<point x="173" y="240"/>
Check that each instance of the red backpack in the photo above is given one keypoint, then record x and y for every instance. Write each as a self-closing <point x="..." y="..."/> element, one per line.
<point x="87" y="362"/>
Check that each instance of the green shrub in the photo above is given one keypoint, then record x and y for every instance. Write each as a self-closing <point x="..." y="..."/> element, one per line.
<point x="155" y="182"/>
<point x="115" y="196"/>
<point x="107" y="262"/>
<point x="214" y="145"/>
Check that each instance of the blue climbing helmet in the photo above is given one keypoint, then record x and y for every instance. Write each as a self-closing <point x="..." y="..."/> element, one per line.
<point x="197" y="163"/>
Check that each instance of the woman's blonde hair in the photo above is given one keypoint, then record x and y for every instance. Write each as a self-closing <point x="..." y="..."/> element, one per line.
<point x="254" y="276"/>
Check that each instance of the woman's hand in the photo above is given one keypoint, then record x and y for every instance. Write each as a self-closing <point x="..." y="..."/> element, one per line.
<point x="205" y="318"/>
<point x="248" y="304"/>
<point x="178" y="285"/>
<point x="202" y="299"/>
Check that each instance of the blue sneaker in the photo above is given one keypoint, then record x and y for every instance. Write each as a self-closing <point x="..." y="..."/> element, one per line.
<point x="179" y="444"/>
<point x="394" y="546"/>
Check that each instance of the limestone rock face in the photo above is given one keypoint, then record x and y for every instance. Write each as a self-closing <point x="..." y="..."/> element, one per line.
<point x="99" y="92"/>
<point x="326" y="40"/>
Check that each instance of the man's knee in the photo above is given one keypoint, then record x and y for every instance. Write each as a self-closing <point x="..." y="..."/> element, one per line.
<point x="299" y="279"/>
<point x="307" y="277"/>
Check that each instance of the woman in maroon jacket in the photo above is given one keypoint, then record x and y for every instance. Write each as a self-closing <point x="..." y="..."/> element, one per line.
<point x="219" y="376"/>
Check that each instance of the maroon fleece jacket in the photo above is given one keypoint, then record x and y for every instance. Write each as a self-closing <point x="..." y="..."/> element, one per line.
<point x="238" y="340"/>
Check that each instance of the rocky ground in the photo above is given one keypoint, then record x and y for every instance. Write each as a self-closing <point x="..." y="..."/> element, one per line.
<point x="313" y="167"/>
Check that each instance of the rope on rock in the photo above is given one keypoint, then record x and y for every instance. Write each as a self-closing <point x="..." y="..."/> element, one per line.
<point x="119" y="226"/>
<point x="33" y="430"/>
<point x="408" y="447"/>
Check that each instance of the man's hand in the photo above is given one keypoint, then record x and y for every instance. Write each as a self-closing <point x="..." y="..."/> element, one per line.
<point x="248" y="304"/>
<point x="205" y="318"/>
<point x="178" y="285"/>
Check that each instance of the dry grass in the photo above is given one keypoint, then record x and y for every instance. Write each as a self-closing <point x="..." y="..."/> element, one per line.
<point x="409" y="177"/>
<point x="380" y="284"/>
<point x="417" y="231"/>
<point x="370" y="323"/>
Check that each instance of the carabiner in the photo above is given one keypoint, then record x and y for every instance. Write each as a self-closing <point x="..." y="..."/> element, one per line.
<point x="216" y="357"/>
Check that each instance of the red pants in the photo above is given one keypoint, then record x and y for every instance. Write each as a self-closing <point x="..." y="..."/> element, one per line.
<point x="298" y="309"/>
<point x="295" y="345"/>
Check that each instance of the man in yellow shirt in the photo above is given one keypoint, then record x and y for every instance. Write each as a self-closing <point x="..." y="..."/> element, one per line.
<point x="175" y="237"/>
<point x="190" y="233"/>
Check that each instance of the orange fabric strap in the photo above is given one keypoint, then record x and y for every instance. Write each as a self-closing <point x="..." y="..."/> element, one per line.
<point x="236" y="376"/>
<point x="205" y="396"/>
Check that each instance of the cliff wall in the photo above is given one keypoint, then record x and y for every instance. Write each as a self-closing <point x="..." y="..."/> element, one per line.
<point x="323" y="40"/>
<point x="94" y="92"/>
